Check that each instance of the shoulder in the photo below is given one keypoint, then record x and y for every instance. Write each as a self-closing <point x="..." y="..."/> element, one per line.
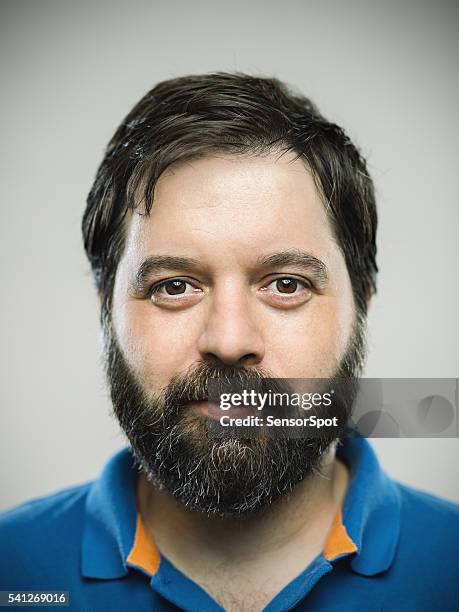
<point x="43" y="511"/>
<point x="38" y="535"/>
<point x="422" y="510"/>
<point x="429" y="539"/>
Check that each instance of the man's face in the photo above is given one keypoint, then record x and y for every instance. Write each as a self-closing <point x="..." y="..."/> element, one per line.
<point x="236" y="267"/>
<point x="227" y="215"/>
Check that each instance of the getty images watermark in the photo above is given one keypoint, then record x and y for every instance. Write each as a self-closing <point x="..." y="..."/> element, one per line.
<point x="251" y="400"/>
<point x="370" y="407"/>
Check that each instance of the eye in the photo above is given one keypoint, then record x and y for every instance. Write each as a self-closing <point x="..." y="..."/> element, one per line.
<point x="286" y="285"/>
<point x="173" y="287"/>
<point x="287" y="291"/>
<point x="173" y="290"/>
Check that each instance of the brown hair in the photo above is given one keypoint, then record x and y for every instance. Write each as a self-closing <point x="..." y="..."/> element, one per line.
<point x="192" y="116"/>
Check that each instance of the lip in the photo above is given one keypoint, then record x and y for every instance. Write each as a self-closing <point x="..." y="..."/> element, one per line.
<point x="213" y="410"/>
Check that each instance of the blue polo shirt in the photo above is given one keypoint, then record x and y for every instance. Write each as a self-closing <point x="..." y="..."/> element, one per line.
<point x="391" y="547"/>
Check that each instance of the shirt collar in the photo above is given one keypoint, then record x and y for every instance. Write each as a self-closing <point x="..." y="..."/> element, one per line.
<point x="110" y="520"/>
<point x="114" y="538"/>
<point x="371" y="511"/>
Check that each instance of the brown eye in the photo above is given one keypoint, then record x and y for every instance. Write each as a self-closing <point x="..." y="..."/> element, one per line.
<point x="175" y="287"/>
<point x="287" y="292"/>
<point x="176" y="293"/>
<point x="286" y="285"/>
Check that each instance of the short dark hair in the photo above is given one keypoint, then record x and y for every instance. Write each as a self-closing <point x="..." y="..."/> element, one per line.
<point x="193" y="116"/>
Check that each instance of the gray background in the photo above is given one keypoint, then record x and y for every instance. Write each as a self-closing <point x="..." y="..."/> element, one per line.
<point x="70" y="71"/>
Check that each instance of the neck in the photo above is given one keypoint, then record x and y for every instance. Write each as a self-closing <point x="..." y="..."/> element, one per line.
<point x="301" y="521"/>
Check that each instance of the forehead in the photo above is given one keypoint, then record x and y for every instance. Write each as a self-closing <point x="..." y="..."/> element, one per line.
<point x="232" y="207"/>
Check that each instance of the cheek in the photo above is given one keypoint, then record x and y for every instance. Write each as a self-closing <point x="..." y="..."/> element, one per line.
<point x="154" y="346"/>
<point x="312" y="343"/>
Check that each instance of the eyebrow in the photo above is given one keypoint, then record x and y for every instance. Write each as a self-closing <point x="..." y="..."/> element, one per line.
<point x="293" y="257"/>
<point x="299" y="259"/>
<point x="159" y="263"/>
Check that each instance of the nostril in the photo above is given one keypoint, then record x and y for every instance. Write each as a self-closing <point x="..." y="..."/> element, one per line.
<point x="246" y="360"/>
<point x="250" y="359"/>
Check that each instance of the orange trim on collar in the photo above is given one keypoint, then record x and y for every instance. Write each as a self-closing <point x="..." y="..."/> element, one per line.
<point x="338" y="541"/>
<point x="144" y="553"/>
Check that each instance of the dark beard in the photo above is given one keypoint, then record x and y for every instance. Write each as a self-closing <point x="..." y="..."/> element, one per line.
<point x="230" y="476"/>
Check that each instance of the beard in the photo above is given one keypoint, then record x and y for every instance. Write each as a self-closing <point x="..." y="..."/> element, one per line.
<point x="228" y="476"/>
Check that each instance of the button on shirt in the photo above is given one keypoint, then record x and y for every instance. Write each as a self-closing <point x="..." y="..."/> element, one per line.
<point x="391" y="547"/>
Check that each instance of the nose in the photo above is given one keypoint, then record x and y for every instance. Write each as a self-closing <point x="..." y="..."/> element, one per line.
<point x="231" y="333"/>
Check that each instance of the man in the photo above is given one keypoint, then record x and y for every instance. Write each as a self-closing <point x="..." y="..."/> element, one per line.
<point x="231" y="230"/>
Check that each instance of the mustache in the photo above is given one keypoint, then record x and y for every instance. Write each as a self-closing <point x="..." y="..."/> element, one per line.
<point x="206" y="380"/>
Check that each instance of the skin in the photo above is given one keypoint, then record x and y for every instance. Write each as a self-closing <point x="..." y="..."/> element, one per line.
<point x="226" y="213"/>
